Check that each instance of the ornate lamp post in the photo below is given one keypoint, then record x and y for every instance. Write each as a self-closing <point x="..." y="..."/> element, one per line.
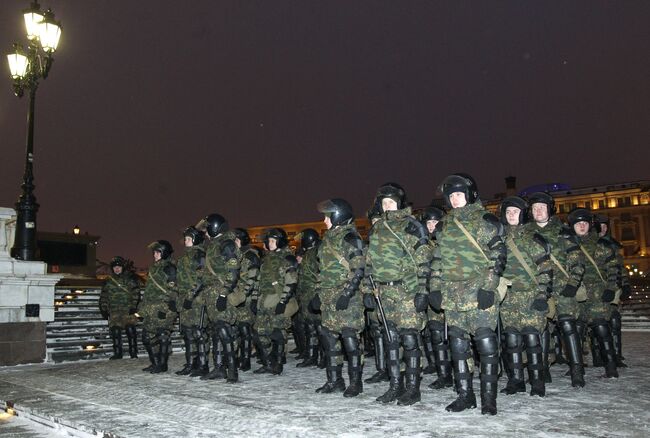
<point x="27" y="68"/>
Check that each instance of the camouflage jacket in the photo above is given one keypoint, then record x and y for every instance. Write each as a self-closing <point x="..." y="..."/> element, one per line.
<point x="623" y="278"/>
<point x="188" y="275"/>
<point x="565" y="250"/>
<point x="535" y="253"/>
<point x="398" y="250"/>
<point x="278" y="275"/>
<point x="603" y="274"/>
<point x="159" y="293"/>
<point x="222" y="263"/>
<point x="120" y="293"/>
<point x="460" y="259"/>
<point x="308" y="275"/>
<point x="341" y="260"/>
<point x="249" y="272"/>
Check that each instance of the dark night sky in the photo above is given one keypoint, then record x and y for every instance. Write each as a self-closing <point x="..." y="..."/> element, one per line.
<point x="159" y="112"/>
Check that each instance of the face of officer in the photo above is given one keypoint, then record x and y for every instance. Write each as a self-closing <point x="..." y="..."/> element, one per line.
<point x="603" y="230"/>
<point x="188" y="241"/>
<point x="388" y="204"/>
<point x="457" y="200"/>
<point x="273" y="244"/>
<point x="328" y="222"/>
<point x="117" y="270"/>
<point x="431" y="225"/>
<point x="512" y="215"/>
<point x="540" y="212"/>
<point x="157" y="255"/>
<point x="581" y="228"/>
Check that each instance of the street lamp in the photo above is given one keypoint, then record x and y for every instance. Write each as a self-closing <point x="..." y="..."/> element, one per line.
<point x="27" y="67"/>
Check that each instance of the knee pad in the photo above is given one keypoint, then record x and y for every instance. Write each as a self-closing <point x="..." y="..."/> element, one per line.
<point x="486" y="341"/>
<point x="348" y="332"/>
<point x="277" y="336"/>
<point x="409" y="339"/>
<point x="514" y="340"/>
<point x="436" y="326"/>
<point x="455" y="332"/>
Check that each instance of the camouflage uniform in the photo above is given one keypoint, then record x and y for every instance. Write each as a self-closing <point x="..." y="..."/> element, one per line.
<point x="220" y="276"/>
<point x="623" y="283"/>
<point x="244" y="317"/>
<point x="568" y="269"/>
<point x="189" y="267"/>
<point x="600" y="282"/>
<point x="399" y="259"/>
<point x="340" y="273"/>
<point x="307" y="291"/>
<point x="468" y="282"/>
<point x="158" y="310"/>
<point x="277" y="286"/>
<point x="119" y="300"/>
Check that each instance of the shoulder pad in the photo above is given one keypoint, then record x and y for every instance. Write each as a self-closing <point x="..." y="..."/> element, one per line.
<point x="542" y="242"/>
<point x="415" y="228"/>
<point x="353" y="239"/>
<point x="228" y="247"/>
<point x="607" y="242"/>
<point x="252" y="257"/>
<point x="493" y="220"/>
<point x="170" y="270"/>
<point x="291" y="259"/>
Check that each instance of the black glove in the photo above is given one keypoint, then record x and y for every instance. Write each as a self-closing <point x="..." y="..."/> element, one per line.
<point x="187" y="304"/>
<point x="254" y="307"/>
<point x="435" y="299"/>
<point x="104" y="313"/>
<point x="421" y="302"/>
<point x="314" y="304"/>
<point x="162" y="315"/>
<point x="540" y="304"/>
<point x="369" y="301"/>
<point x="222" y="302"/>
<point x="608" y="296"/>
<point x="280" y="308"/>
<point x="171" y="304"/>
<point x="569" y="291"/>
<point x="485" y="299"/>
<point x="133" y="311"/>
<point x="343" y="302"/>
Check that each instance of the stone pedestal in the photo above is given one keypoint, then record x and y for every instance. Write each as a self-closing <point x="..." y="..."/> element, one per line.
<point x="26" y="301"/>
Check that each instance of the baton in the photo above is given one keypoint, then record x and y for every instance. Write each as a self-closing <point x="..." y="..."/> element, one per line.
<point x="380" y="307"/>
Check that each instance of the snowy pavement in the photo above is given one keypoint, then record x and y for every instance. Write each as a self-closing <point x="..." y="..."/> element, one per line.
<point x="116" y="399"/>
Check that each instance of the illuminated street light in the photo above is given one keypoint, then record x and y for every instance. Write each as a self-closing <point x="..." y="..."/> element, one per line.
<point x="27" y="68"/>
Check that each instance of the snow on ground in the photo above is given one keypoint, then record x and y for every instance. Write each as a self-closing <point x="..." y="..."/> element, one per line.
<point x="116" y="398"/>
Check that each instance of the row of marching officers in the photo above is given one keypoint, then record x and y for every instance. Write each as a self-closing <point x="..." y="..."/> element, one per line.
<point x="455" y="287"/>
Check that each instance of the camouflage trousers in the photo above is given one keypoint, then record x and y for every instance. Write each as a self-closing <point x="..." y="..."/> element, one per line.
<point x="566" y="306"/>
<point x="516" y="311"/>
<point x="400" y="309"/>
<point x="471" y="320"/>
<point x="122" y="319"/>
<point x="243" y="313"/>
<point x="436" y="315"/>
<point x="336" y="320"/>
<point x="191" y="317"/>
<point x="591" y="310"/>
<point x="266" y="321"/>
<point x="208" y="298"/>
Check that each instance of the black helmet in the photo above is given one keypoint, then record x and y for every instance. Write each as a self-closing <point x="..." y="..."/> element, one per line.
<point x="164" y="247"/>
<point x="242" y="235"/>
<point x="542" y="198"/>
<point x="308" y="238"/>
<point x="196" y="235"/>
<point x="514" y="201"/>
<point x="579" y="215"/>
<point x="431" y="214"/>
<point x="279" y="235"/>
<point x="338" y="210"/>
<point x="393" y="191"/>
<point x="459" y="182"/>
<point x="118" y="261"/>
<point x="214" y="224"/>
<point x="599" y="220"/>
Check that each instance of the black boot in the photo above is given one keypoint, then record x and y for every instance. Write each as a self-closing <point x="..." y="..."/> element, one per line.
<point x="298" y="330"/>
<point x="573" y="349"/>
<point x="557" y="346"/>
<point x="596" y="356"/>
<point x="411" y="345"/>
<point x="278" y="356"/>
<point x="427" y="345"/>
<point x="164" y="350"/>
<point x="488" y="348"/>
<point x="514" y="356"/>
<point x="311" y="359"/>
<point x="218" y="370"/>
<point x="581" y="328"/>
<point x="604" y="337"/>
<point x="330" y="343"/>
<point x="545" y="339"/>
<point x="396" y="385"/>
<point x="187" y="341"/>
<point x="535" y="362"/>
<point x="442" y="356"/>
<point x="116" y="337"/>
<point x="147" y="346"/>
<point x="201" y="367"/>
<point x="617" y="338"/>
<point x="380" y="357"/>
<point x="227" y="340"/>
<point x="351" y="346"/>
<point x="245" y="346"/>
<point x="460" y="352"/>
<point x="132" y="339"/>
